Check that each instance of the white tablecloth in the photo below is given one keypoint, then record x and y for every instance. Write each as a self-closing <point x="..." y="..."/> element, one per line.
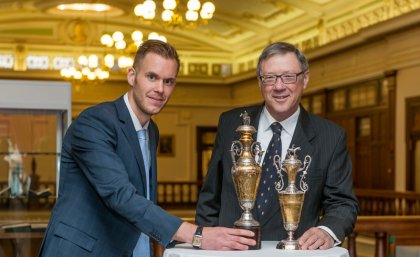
<point x="268" y="249"/>
<point x="407" y="251"/>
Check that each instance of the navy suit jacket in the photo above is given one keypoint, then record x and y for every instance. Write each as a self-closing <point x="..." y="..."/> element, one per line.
<point x="329" y="178"/>
<point x="102" y="207"/>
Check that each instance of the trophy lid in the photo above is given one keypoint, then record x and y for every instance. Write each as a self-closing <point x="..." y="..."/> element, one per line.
<point x="246" y="127"/>
<point x="291" y="157"/>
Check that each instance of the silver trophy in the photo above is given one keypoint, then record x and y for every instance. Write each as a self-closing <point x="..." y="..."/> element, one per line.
<point x="246" y="174"/>
<point x="291" y="199"/>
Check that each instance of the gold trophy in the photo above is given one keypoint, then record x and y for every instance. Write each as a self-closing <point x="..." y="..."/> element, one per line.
<point x="291" y="199"/>
<point x="246" y="174"/>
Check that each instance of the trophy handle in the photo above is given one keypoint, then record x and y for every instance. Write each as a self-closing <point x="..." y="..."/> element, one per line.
<point x="277" y="163"/>
<point x="257" y="151"/>
<point x="306" y="164"/>
<point x="235" y="150"/>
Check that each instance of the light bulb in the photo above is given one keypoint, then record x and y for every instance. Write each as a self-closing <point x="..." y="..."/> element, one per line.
<point x="194" y="5"/>
<point x="153" y="35"/>
<point x="209" y="7"/>
<point x="139" y="10"/>
<point x="109" y="60"/>
<point x="120" y="44"/>
<point x="137" y="35"/>
<point x="169" y="4"/>
<point x="149" y="5"/>
<point x="117" y="36"/>
<point x="82" y="60"/>
<point x="191" y="15"/>
<point x="107" y="40"/>
<point x="167" y="15"/>
<point x="93" y="61"/>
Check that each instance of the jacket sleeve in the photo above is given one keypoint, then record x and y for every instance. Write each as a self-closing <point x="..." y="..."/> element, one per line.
<point x="340" y="205"/>
<point x="209" y="202"/>
<point x="97" y="147"/>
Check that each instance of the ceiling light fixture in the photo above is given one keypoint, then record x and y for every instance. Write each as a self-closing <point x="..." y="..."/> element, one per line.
<point x="171" y="15"/>
<point x="88" y="68"/>
<point x="125" y="49"/>
<point x="84" y="7"/>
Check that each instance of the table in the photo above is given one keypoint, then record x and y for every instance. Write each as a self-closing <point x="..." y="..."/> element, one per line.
<point x="268" y="249"/>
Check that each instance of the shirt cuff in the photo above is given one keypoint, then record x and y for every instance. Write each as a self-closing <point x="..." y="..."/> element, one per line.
<point x="329" y="231"/>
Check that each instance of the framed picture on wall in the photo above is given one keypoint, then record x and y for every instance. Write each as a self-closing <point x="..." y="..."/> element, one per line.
<point x="166" y="145"/>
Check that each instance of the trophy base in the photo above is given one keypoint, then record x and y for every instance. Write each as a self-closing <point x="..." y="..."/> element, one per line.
<point x="288" y="245"/>
<point x="257" y="235"/>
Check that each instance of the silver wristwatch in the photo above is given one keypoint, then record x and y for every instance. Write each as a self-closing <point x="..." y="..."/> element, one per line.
<point x="198" y="237"/>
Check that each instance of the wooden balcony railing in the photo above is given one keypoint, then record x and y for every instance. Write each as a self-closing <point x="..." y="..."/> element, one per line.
<point x="387" y="202"/>
<point x="178" y="195"/>
<point x="392" y="218"/>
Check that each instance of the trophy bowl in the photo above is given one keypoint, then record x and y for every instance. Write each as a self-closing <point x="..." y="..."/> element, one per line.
<point x="291" y="208"/>
<point x="246" y="174"/>
<point x="291" y="199"/>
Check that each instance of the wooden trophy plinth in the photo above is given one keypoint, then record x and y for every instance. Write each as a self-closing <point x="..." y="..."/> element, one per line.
<point x="257" y="235"/>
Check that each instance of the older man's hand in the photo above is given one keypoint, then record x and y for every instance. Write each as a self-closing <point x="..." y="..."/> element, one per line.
<point x="316" y="238"/>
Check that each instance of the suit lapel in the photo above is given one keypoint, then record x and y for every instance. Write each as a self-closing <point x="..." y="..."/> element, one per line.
<point x="301" y="138"/>
<point x="304" y="133"/>
<point x="129" y="132"/>
<point x="153" y="140"/>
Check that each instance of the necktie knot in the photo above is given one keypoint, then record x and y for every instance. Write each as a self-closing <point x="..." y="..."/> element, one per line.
<point x="276" y="127"/>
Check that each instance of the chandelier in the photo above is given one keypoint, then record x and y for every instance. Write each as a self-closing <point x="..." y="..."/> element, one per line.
<point x="124" y="49"/>
<point x="86" y="69"/>
<point x="172" y="13"/>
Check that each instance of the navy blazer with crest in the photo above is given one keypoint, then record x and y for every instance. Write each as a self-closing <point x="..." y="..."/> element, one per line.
<point x="329" y="178"/>
<point x="102" y="207"/>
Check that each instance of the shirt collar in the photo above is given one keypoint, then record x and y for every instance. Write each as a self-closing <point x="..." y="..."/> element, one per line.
<point x="136" y="122"/>
<point x="288" y="124"/>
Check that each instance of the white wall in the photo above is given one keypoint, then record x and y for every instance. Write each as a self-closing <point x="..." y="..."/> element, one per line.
<point x="38" y="95"/>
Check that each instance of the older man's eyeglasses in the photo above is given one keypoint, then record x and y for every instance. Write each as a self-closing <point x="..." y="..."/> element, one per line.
<point x="286" y="78"/>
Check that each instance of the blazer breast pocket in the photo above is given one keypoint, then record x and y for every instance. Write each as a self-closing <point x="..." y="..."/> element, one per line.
<point x="75" y="236"/>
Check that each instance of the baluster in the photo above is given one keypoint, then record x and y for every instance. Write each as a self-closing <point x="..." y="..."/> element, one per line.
<point x="190" y="199"/>
<point x="380" y="244"/>
<point x="351" y="244"/>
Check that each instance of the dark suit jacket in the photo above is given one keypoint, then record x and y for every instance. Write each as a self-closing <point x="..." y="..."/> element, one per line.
<point x="329" y="178"/>
<point x="101" y="207"/>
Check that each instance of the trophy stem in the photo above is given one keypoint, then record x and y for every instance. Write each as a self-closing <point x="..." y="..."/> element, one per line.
<point x="290" y="235"/>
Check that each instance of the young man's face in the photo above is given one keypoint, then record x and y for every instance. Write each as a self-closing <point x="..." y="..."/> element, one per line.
<point x="152" y="83"/>
<point x="281" y="99"/>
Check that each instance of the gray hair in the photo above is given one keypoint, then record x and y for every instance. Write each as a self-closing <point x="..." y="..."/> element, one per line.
<point x="281" y="48"/>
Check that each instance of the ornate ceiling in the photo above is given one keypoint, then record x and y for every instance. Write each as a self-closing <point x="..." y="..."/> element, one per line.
<point x="227" y="46"/>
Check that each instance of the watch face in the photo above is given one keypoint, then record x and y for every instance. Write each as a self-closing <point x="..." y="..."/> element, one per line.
<point x="197" y="241"/>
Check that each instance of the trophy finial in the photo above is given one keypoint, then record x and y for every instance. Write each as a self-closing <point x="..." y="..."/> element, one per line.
<point x="292" y="151"/>
<point x="246" y="118"/>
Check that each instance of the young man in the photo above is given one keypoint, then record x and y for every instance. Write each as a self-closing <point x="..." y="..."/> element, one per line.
<point x="330" y="207"/>
<point x="106" y="204"/>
